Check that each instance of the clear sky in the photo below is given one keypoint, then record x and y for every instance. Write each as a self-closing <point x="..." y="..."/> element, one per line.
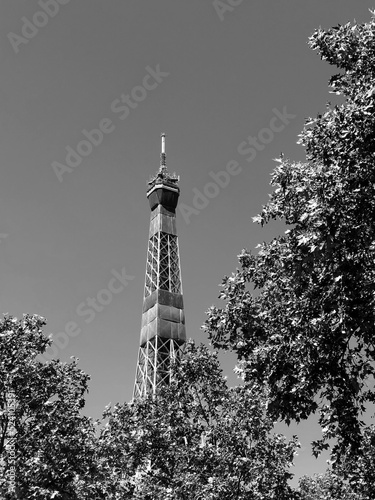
<point x="216" y="76"/>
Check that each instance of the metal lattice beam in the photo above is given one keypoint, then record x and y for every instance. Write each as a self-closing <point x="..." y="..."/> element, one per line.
<point x="163" y="266"/>
<point x="154" y="368"/>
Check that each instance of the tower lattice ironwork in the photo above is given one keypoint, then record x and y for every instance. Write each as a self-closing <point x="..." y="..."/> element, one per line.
<point x="163" y="332"/>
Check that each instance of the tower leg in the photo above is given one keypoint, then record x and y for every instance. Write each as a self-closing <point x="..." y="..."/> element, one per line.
<point x="154" y="367"/>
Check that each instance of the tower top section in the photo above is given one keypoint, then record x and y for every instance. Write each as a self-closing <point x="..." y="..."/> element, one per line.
<point x="163" y="186"/>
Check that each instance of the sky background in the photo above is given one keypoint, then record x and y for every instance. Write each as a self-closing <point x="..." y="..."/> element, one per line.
<point x="61" y="242"/>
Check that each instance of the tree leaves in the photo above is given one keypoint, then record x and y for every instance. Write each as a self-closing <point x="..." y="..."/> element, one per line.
<point x="307" y="330"/>
<point x="54" y="442"/>
<point x="197" y="439"/>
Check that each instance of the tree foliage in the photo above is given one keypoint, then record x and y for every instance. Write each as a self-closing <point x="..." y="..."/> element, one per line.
<point x="328" y="486"/>
<point x="198" y="439"/>
<point x="308" y="330"/>
<point x="359" y="470"/>
<point x="54" y="442"/>
<point x="352" y="478"/>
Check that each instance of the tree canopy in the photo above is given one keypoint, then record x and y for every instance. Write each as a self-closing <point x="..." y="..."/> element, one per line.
<point x="197" y="439"/>
<point x="307" y="331"/>
<point x="352" y="478"/>
<point x="328" y="486"/>
<point x="54" y="442"/>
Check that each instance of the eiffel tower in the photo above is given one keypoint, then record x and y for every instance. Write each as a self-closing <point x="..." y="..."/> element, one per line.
<point x="163" y="332"/>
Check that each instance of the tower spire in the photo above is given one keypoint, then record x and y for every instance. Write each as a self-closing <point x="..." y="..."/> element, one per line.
<point x="163" y="321"/>
<point x="163" y="154"/>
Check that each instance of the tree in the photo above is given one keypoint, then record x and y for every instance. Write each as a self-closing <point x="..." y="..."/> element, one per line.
<point x="197" y="439"/>
<point x="308" y="330"/>
<point x="359" y="470"/>
<point x="54" y="442"/>
<point x="352" y="477"/>
<point x="326" y="486"/>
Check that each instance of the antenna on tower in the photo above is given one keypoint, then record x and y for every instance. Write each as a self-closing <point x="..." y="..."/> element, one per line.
<point x="162" y="154"/>
<point x="163" y="174"/>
